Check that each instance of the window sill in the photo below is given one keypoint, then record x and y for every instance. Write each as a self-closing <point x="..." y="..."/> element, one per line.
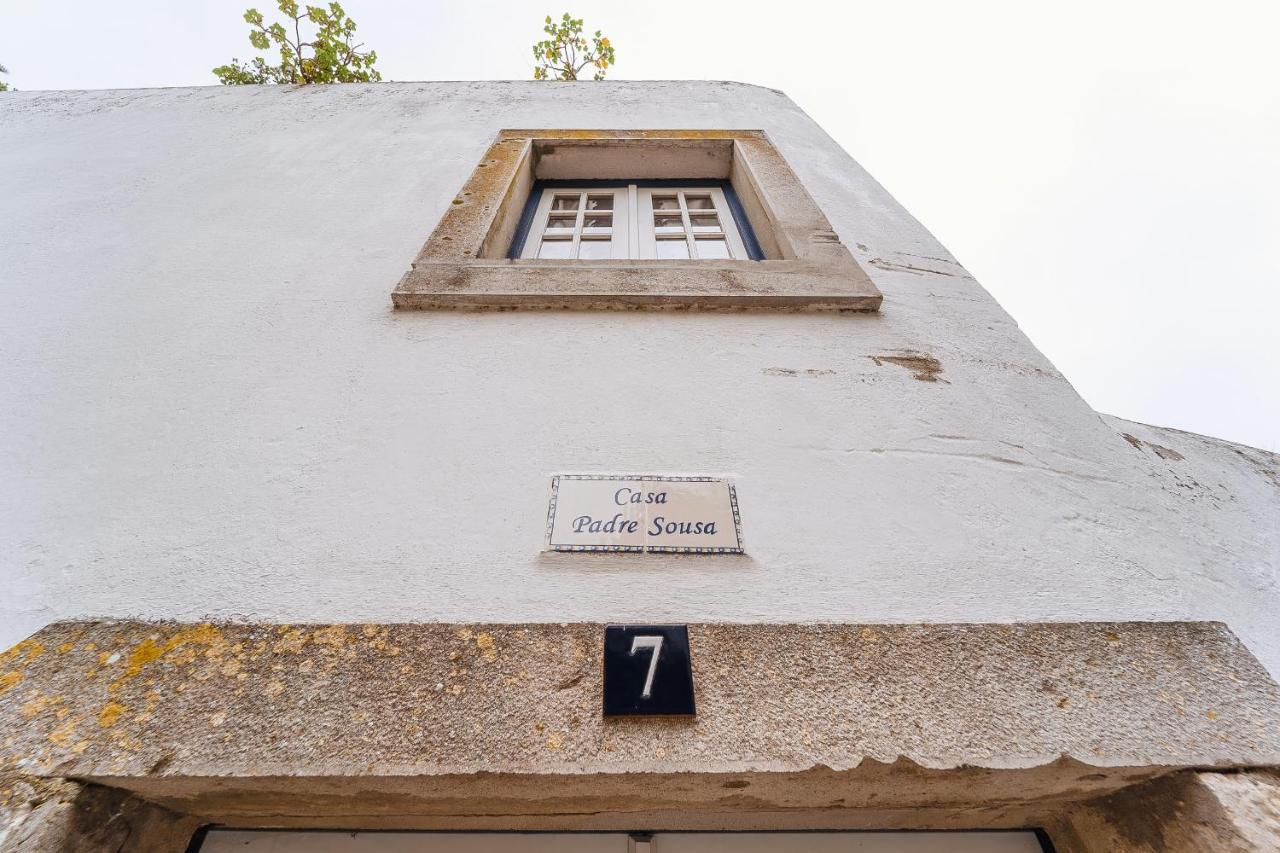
<point x="464" y="265"/>
<point x="630" y="284"/>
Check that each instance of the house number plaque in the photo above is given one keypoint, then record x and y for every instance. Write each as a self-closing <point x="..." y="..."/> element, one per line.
<point x="643" y="513"/>
<point x="647" y="671"/>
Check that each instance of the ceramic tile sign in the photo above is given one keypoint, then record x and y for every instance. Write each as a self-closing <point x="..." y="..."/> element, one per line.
<point x="643" y="514"/>
<point x="647" y="671"/>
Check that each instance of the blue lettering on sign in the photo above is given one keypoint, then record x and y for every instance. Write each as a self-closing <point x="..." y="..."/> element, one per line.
<point x="625" y="496"/>
<point x="660" y="526"/>
<point x="587" y="524"/>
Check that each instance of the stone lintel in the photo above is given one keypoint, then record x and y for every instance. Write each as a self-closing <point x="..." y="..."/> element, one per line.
<point x="469" y="726"/>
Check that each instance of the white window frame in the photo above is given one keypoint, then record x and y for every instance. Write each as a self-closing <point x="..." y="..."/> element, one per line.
<point x="633" y="235"/>
<point x="618" y="235"/>
<point x="727" y="231"/>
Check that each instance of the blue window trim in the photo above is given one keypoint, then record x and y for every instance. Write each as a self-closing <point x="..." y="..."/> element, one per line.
<point x="749" y="241"/>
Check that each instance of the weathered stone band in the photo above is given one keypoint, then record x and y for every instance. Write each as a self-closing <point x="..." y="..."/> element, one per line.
<point x="133" y="698"/>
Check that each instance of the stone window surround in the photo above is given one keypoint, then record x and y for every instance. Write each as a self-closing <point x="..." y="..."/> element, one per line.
<point x="465" y="263"/>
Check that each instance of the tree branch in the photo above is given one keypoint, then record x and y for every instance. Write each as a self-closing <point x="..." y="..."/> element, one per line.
<point x="297" y="34"/>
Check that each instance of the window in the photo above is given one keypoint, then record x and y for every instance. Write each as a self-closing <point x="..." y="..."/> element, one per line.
<point x="594" y="219"/>
<point x="580" y="223"/>
<point x="659" y="222"/>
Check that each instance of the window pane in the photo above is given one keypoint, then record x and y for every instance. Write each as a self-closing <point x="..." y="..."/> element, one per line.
<point x="699" y="202"/>
<point x="597" y="220"/>
<point x="666" y="202"/>
<point x="673" y="249"/>
<point x="600" y="202"/>
<point x="666" y="220"/>
<point x="560" y="221"/>
<point x="712" y="249"/>
<point x="555" y="249"/>
<point x="593" y="250"/>
<point x="705" y="221"/>
<point x="565" y="202"/>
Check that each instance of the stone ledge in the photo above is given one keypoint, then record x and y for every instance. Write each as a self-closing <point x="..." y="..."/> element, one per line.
<point x="604" y="285"/>
<point x="138" y="699"/>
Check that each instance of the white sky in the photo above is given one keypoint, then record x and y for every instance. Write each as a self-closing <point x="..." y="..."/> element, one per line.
<point x="1110" y="171"/>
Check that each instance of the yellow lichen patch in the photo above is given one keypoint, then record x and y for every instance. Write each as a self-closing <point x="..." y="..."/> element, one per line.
<point x="291" y="641"/>
<point x="149" y="651"/>
<point x="153" y="699"/>
<point x="38" y="704"/>
<point x="65" y="647"/>
<point x="28" y="650"/>
<point x="144" y="653"/>
<point x="555" y="740"/>
<point x="62" y="735"/>
<point x="377" y="638"/>
<point x="231" y="668"/>
<point x="9" y="680"/>
<point x="334" y="636"/>
<point x="273" y="689"/>
<point x="109" y="714"/>
<point x="488" y="648"/>
<point x="184" y="656"/>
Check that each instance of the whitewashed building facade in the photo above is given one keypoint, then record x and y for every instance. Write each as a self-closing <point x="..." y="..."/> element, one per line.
<point x="285" y="379"/>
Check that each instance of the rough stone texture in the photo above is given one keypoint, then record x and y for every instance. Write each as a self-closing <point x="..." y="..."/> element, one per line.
<point x="58" y="816"/>
<point x="1184" y="813"/>
<point x="454" y="271"/>
<point x="209" y="409"/>
<point x="957" y="722"/>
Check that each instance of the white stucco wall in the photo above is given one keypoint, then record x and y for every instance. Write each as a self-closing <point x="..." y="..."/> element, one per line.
<point x="208" y="408"/>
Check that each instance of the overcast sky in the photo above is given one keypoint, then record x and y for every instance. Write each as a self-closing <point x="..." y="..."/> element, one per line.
<point x="1110" y="171"/>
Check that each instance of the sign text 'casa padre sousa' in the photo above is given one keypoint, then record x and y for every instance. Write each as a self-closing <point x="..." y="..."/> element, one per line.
<point x="643" y="513"/>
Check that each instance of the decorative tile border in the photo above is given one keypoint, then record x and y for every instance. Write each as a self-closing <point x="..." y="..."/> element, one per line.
<point x="642" y="549"/>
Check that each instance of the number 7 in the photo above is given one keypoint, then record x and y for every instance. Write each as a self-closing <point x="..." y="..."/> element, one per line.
<point x="654" y="643"/>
